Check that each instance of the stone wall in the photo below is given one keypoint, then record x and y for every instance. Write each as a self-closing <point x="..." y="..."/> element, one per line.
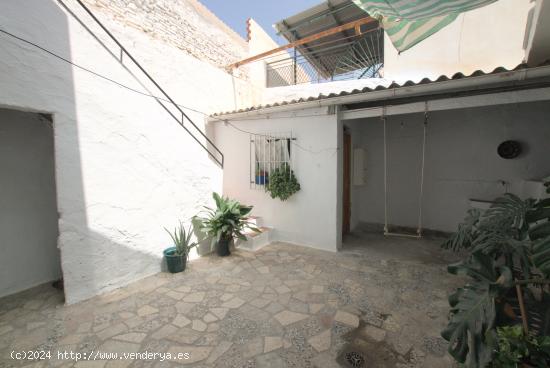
<point x="185" y="24"/>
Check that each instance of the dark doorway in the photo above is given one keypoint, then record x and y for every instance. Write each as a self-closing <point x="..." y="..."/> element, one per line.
<point x="28" y="205"/>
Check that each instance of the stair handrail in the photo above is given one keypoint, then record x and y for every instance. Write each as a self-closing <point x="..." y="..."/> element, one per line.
<point x="183" y="114"/>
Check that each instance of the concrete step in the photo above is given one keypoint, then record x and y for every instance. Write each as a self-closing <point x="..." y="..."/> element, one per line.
<point x="255" y="240"/>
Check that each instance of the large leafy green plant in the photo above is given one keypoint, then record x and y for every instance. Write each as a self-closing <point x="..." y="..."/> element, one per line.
<point x="507" y="245"/>
<point x="282" y="183"/>
<point x="227" y="221"/>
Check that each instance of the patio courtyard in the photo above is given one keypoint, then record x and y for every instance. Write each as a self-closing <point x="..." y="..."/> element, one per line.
<point x="381" y="302"/>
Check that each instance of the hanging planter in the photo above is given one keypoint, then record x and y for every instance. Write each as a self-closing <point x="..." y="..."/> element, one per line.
<point x="282" y="183"/>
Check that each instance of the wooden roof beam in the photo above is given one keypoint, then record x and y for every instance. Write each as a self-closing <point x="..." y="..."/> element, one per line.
<point x="356" y="24"/>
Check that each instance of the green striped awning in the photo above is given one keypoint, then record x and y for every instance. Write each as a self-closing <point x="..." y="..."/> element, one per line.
<point x="407" y="22"/>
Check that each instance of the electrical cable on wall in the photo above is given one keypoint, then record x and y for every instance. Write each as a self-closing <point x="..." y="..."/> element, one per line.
<point x="122" y="85"/>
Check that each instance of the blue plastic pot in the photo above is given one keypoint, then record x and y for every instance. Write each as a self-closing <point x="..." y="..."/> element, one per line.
<point x="174" y="262"/>
<point x="261" y="179"/>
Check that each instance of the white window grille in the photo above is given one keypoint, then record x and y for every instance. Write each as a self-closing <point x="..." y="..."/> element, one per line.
<point x="268" y="152"/>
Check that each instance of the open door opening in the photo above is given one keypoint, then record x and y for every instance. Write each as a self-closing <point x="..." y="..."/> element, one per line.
<point x="29" y="255"/>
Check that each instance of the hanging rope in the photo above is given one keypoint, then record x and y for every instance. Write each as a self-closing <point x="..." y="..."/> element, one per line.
<point x="423" y="164"/>
<point x="425" y="128"/>
<point x="383" y="119"/>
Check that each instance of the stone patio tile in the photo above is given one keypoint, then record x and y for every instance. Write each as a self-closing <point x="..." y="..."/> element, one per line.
<point x="288" y="317"/>
<point x="317" y="289"/>
<point x="184" y="307"/>
<point x="194" y="297"/>
<point x="185" y="336"/>
<point x="375" y="333"/>
<point x="227" y="296"/>
<point x="314" y="308"/>
<point x="184" y="289"/>
<point x="272" y="343"/>
<point x="198" y="325"/>
<point x="209" y="317"/>
<point x="218" y="351"/>
<point x="282" y="289"/>
<point x="84" y="327"/>
<point x="259" y="302"/>
<point x="346" y="318"/>
<point x="219" y="312"/>
<point x="112" y="331"/>
<point x="146" y="310"/>
<point x="213" y="327"/>
<point x="164" y="332"/>
<point x="233" y="303"/>
<point x="320" y="342"/>
<point x="274" y="308"/>
<point x="181" y="321"/>
<point x="175" y="295"/>
<point x="325" y="360"/>
<point x="232" y="288"/>
<point x="136" y="337"/>
<point x="254" y="347"/>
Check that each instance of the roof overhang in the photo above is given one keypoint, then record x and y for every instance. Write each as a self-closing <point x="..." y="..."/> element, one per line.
<point x="497" y="82"/>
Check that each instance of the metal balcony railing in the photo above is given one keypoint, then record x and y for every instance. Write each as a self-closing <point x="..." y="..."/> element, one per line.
<point x="361" y="57"/>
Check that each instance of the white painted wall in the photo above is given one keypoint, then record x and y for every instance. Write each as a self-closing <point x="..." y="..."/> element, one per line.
<point x="484" y="38"/>
<point x="124" y="168"/>
<point x="310" y="216"/>
<point x="260" y="41"/>
<point x="461" y="161"/>
<point x="28" y="211"/>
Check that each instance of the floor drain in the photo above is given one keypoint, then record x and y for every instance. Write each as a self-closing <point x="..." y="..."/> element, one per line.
<point x="355" y="359"/>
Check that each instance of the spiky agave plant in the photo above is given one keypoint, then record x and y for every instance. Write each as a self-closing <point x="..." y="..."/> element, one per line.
<point x="182" y="240"/>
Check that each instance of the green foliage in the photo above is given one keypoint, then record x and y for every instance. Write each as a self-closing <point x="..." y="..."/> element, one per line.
<point x="515" y="348"/>
<point x="282" y="183"/>
<point x="227" y="221"/>
<point x="473" y="312"/>
<point x="182" y="240"/>
<point x="466" y="233"/>
<point x="508" y="243"/>
<point x="541" y="256"/>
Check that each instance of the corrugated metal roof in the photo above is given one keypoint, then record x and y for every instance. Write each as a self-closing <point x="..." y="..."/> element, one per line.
<point x="394" y="85"/>
<point x="324" y="54"/>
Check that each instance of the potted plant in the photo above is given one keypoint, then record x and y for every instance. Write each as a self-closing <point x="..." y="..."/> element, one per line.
<point x="177" y="256"/>
<point x="226" y="222"/>
<point x="282" y="183"/>
<point x="507" y="266"/>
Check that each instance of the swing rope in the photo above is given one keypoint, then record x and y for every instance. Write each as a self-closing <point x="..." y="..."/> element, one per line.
<point x="383" y="118"/>
<point x="423" y="165"/>
<point x="425" y="128"/>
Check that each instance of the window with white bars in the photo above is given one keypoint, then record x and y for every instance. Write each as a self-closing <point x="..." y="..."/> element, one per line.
<point x="268" y="152"/>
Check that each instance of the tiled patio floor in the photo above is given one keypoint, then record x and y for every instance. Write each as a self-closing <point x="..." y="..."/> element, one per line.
<point x="284" y="306"/>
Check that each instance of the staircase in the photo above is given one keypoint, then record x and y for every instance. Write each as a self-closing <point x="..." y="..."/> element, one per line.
<point x="169" y="105"/>
<point x="255" y="241"/>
